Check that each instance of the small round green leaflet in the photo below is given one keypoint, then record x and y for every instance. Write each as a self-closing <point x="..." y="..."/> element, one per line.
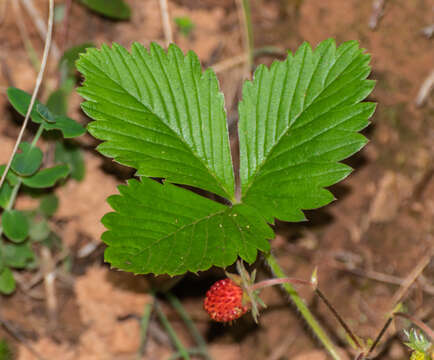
<point x="45" y="113"/>
<point x="7" y="281"/>
<point x="15" y="225"/>
<point x="28" y="161"/>
<point x="10" y="177"/>
<point x="47" y="177"/>
<point x="69" y="127"/>
<point x="115" y="9"/>
<point x="5" y="194"/>
<point x="20" y="100"/>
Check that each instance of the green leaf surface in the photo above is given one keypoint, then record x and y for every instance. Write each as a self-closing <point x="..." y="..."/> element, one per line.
<point x="115" y="9"/>
<point x="7" y="281"/>
<point x="18" y="256"/>
<point x="20" y="100"/>
<point x="166" y="229"/>
<point x="48" y="205"/>
<point x="10" y="177"/>
<point x="160" y="114"/>
<point x="45" y="113"/>
<point x="5" y="194"/>
<point x="46" y="177"/>
<point x="57" y="102"/>
<point x="69" y="127"/>
<point x="157" y="112"/>
<point x="71" y="155"/>
<point x="28" y="161"/>
<point x="298" y="118"/>
<point x="15" y="225"/>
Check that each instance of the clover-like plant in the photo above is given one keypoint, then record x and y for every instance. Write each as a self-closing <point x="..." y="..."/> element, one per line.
<point x="159" y="113"/>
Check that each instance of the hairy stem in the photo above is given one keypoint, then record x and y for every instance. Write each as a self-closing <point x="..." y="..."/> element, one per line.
<point x="279" y="281"/>
<point x="301" y="306"/>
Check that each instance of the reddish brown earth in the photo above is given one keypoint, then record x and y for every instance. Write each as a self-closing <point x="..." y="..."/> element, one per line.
<point x="382" y="221"/>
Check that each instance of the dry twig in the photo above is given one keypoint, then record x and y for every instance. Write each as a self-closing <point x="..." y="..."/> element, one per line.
<point x="165" y="18"/>
<point x="411" y="278"/>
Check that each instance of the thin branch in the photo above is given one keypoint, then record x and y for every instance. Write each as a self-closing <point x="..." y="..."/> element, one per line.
<point x="165" y="18"/>
<point x="384" y="278"/>
<point x="411" y="278"/>
<point x="35" y="90"/>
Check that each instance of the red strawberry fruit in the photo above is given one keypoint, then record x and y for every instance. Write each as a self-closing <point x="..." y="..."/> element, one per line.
<point x="224" y="301"/>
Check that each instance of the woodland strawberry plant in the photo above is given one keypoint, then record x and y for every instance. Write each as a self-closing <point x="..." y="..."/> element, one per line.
<point x="159" y="113"/>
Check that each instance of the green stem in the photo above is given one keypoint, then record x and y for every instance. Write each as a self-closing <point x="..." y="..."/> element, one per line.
<point x="301" y="306"/>
<point x="171" y="332"/>
<point x="144" y="324"/>
<point x="200" y="341"/>
<point x="17" y="186"/>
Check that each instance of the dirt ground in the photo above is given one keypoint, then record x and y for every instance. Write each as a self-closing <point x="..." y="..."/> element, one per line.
<point x="365" y="244"/>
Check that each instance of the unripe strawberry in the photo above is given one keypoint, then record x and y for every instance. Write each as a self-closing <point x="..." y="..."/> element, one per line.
<point x="224" y="301"/>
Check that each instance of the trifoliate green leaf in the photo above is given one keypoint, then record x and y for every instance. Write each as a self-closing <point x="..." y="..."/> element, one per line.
<point x="298" y="118"/>
<point x="46" y="177"/>
<point x="7" y="281"/>
<point x="28" y="161"/>
<point x="15" y="225"/>
<point x="165" y="229"/>
<point x="160" y="114"/>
